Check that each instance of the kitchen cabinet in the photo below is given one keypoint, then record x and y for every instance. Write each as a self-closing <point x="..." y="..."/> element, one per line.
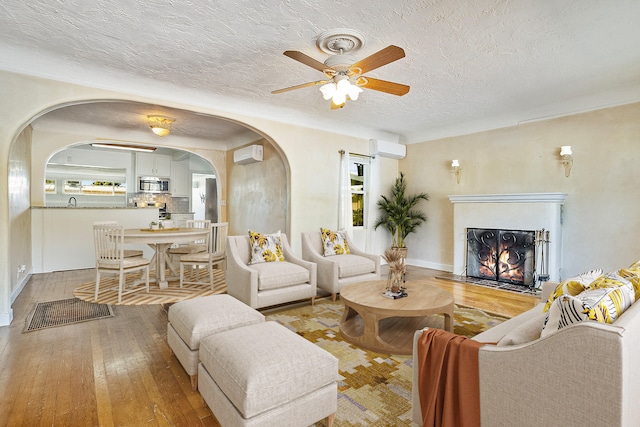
<point x="153" y="165"/>
<point x="180" y="179"/>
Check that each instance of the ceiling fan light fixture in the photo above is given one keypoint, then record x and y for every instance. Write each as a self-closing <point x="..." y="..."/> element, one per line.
<point x="343" y="85"/>
<point x="353" y="91"/>
<point x="339" y="98"/>
<point x="328" y="90"/>
<point x="160" y="125"/>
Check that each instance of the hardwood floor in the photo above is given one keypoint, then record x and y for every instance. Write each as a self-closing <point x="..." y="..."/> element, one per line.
<point x="494" y="301"/>
<point x="109" y="372"/>
<point x="119" y="371"/>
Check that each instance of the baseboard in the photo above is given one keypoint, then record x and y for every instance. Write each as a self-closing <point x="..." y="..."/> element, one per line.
<point x="20" y="287"/>
<point x="6" y="318"/>
<point x="432" y="265"/>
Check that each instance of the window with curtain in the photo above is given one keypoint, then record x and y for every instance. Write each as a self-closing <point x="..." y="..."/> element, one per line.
<point x="359" y="174"/>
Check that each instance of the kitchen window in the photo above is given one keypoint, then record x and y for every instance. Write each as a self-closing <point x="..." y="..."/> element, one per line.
<point x="50" y="186"/>
<point x="94" y="188"/>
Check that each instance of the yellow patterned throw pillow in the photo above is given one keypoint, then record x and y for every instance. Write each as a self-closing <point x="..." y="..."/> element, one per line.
<point x="622" y="276"/>
<point x="632" y="274"/>
<point x="603" y="305"/>
<point x="573" y="286"/>
<point x="334" y="242"/>
<point x="265" y="247"/>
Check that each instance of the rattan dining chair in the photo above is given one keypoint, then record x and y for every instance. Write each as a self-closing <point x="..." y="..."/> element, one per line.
<point x="110" y="259"/>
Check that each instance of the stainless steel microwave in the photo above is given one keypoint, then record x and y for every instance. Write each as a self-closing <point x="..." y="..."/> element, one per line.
<point x="150" y="184"/>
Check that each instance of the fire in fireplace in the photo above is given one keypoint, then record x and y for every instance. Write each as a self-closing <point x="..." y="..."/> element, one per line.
<point x="501" y="255"/>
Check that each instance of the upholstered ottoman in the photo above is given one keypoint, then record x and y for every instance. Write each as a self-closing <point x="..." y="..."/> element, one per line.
<point x="266" y="375"/>
<point x="192" y="320"/>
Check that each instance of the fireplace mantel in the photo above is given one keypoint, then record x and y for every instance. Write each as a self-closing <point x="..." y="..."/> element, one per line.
<point x="516" y="211"/>
<point x="510" y="198"/>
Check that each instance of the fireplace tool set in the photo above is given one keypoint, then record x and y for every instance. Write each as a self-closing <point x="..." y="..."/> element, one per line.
<point x="542" y="254"/>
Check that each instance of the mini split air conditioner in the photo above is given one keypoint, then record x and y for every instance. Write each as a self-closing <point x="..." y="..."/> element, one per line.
<point x="250" y="154"/>
<point x="387" y="149"/>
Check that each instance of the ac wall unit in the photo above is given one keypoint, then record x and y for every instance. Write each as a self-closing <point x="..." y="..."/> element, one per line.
<point x="387" y="149"/>
<point x="250" y="154"/>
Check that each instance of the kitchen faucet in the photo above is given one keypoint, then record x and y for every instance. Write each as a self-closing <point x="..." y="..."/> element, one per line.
<point x="74" y="203"/>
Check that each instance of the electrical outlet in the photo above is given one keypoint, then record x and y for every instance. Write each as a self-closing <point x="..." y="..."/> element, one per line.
<point x="22" y="268"/>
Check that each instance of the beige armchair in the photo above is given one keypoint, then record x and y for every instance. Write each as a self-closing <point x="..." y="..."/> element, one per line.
<point x="334" y="272"/>
<point x="268" y="283"/>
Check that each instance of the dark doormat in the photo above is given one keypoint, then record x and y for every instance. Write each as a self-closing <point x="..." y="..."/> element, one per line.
<point x="65" y="312"/>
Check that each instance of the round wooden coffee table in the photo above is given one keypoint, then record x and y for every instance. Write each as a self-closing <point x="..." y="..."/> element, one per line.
<point x="387" y="325"/>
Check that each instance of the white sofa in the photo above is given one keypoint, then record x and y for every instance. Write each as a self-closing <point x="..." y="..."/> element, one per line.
<point x="268" y="283"/>
<point x="334" y="272"/>
<point x="585" y="374"/>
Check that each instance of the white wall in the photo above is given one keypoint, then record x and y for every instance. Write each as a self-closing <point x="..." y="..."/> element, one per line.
<point x="601" y="212"/>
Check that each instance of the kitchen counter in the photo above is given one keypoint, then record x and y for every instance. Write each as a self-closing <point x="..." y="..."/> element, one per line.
<point x="63" y="237"/>
<point x="91" y="207"/>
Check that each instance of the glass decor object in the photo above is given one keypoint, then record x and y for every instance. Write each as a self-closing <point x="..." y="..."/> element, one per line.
<point x="395" y="259"/>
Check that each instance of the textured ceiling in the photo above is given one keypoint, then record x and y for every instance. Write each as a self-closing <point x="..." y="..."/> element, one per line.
<point x="471" y="65"/>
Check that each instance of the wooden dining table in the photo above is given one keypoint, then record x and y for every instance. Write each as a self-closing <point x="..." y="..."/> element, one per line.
<point x="161" y="240"/>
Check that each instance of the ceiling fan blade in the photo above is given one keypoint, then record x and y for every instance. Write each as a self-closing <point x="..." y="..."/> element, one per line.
<point x="385" y="86"/>
<point x="287" y="89"/>
<point x="306" y="60"/>
<point x="378" y="59"/>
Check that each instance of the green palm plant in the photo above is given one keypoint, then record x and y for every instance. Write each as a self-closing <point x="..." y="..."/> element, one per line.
<point x="398" y="213"/>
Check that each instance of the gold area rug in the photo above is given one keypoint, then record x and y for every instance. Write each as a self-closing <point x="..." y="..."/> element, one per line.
<point x="173" y="293"/>
<point x="374" y="389"/>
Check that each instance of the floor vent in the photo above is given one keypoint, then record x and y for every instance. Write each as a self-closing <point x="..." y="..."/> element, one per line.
<point x="65" y="312"/>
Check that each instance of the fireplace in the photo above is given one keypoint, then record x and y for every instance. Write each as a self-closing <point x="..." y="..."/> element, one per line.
<point x="501" y="255"/>
<point x="517" y="211"/>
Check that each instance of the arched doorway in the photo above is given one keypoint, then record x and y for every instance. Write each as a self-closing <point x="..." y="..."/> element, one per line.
<point x="74" y="127"/>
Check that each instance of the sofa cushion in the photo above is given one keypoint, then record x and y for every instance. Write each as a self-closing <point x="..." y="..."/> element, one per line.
<point x="496" y="333"/>
<point x="604" y="305"/>
<point x="334" y="242"/>
<point x="525" y="332"/>
<point x="573" y="286"/>
<point x="265" y="247"/>
<point x="350" y="265"/>
<point x="274" y="275"/>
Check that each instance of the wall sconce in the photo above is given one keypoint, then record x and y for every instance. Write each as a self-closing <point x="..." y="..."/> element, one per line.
<point x="455" y="168"/>
<point x="567" y="160"/>
<point x="160" y="125"/>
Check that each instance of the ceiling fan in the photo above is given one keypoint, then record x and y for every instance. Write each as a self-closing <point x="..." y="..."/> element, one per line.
<point x="345" y="78"/>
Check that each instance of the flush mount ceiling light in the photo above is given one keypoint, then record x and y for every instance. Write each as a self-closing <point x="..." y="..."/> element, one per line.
<point x="160" y="125"/>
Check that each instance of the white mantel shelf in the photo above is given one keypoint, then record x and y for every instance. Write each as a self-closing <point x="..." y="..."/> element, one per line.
<point x="510" y="198"/>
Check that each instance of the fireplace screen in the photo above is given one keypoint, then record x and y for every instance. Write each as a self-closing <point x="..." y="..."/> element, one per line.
<point x="501" y="255"/>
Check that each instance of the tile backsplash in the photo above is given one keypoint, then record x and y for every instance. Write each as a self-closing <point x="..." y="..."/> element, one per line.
<point x="174" y="204"/>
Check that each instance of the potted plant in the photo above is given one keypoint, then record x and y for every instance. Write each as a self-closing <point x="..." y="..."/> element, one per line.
<point x="398" y="213"/>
